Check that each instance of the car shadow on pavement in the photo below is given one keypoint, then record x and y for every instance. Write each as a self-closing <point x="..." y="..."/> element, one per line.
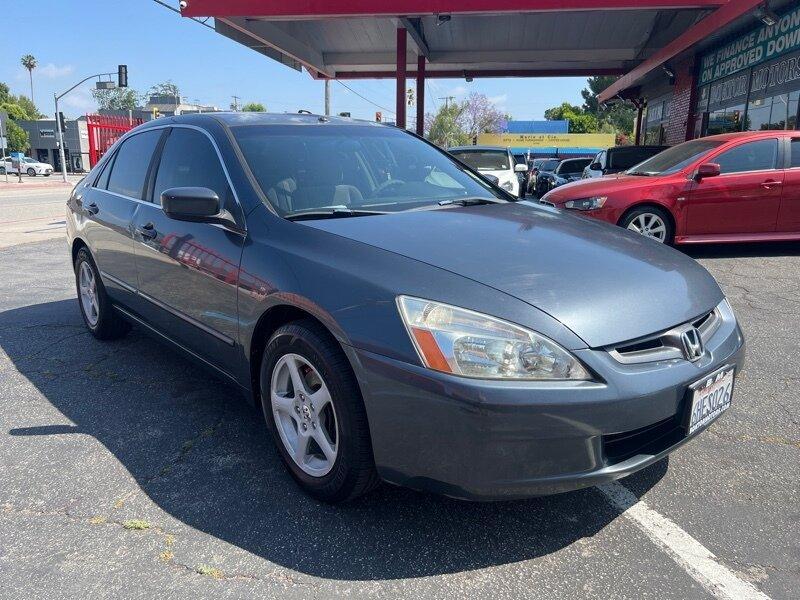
<point x="741" y="250"/>
<point x="203" y="456"/>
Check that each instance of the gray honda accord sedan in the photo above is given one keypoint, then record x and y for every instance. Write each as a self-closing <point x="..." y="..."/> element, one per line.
<point x="395" y="316"/>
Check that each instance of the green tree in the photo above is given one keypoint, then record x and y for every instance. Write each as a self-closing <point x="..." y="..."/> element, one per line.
<point x="165" y="88"/>
<point x="15" y="111"/>
<point x="618" y="116"/>
<point x="116" y="98"/>
<point x="29" y="62"/>
<point x="29" y="107"/>
<point x="5" y="93"/>
<point x="579" y="120"/>
<point x="444" y="127"/>
<point x="18" y="140"/>
<point x="254" y="107"/>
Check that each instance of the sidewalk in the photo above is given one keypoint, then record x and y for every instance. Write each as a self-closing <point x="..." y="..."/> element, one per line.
<point x="36" y="183"/>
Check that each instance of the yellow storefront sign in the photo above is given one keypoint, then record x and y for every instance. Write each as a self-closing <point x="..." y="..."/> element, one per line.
<point x="547" y="140"/>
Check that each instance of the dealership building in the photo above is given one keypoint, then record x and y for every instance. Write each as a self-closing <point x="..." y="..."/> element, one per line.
<point x="691" y="67"/>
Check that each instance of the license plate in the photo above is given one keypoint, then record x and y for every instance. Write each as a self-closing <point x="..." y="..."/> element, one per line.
<point x="711" y="396"/>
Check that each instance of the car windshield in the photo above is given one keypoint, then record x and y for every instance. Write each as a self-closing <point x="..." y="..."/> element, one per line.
<point x="354" y="169"/>
<point x="549" y="165"/>
<point x="483" y="160"/>
<point x="572" y="166"/>
<point x="625" y="158"/>
<point x="29" y="160"/>
<point x="674" y="159"/>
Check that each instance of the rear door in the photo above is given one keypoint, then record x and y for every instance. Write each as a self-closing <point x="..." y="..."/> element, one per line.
<point x="188" y="272"/>
<point x="744" y="198"/>
<point x="108" y="207"/>
<point x="789" y="214"/>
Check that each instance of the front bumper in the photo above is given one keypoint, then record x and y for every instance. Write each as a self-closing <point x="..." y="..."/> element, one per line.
<point x="490" y="440"/>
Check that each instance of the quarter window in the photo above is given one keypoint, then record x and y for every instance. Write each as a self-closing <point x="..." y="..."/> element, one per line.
<point x="131" y="163"/>
<point x="189" y="160"/>
<point x="752" y="156"/>
<point x="795" y="153"/>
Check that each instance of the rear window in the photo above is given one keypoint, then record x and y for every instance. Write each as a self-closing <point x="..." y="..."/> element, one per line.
<point x="625" y="158"/>
<point x="483" y="160"/>
<point x="573" y="166"/>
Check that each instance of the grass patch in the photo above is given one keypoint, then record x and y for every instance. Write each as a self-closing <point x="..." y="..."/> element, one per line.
<point x="209" y="571"/>
<point x="136" y="525"/>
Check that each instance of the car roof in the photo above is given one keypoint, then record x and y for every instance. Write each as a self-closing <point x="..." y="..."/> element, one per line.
<point x="235" y="119"/>
<point x="738" y="135"/>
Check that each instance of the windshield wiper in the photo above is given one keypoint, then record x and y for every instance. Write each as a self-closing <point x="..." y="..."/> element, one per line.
<point x="334" y="213"/>
<point x="467" y="201"/>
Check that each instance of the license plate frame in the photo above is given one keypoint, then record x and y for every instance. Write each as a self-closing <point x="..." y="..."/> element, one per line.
<point x="701" y="390"/>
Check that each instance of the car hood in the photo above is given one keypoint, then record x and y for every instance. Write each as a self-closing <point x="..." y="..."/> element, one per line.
<point x="598" y="186"/>
<point x="604" y="283"/>
<point x="501" y="174"/>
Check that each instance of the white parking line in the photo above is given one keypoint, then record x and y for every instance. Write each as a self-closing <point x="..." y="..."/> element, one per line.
<point x="697" y="560"/>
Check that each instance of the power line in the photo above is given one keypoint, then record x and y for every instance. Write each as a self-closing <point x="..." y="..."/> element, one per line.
<point x="391" y="112"/>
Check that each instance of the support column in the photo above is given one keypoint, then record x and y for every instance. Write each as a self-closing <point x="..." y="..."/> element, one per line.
<point x="421" y="95"/>
<point x="401" y="77"/>
<point x="639" y="109"/>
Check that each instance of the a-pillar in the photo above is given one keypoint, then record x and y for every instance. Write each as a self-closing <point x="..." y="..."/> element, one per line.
<point x="421" y="95"/>
<point x="401" y="77"/>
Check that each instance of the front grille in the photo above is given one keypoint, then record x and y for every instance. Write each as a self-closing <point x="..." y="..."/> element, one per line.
<point x="665" y="345"/>
<point x="652" y="439"/>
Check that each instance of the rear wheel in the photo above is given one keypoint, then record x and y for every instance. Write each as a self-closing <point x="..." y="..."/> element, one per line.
<point x="651" y="222"/>
<point x="2" y="170"/>
<point x="313" y="407"/>
<point x="31" y="172"/>
<point x="95" y="306"/>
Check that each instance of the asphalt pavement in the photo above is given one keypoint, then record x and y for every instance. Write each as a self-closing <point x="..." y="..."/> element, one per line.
<point x="126" y="472"/>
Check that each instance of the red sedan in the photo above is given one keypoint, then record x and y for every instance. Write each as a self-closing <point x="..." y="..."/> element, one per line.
<point x="736" y="187"/>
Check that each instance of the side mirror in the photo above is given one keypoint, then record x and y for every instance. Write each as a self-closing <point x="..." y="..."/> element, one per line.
<point x="520" y="168"/>
<point x="706" y="170"/>
<point x="595" y="166"/>
<point x="190" y="203"/>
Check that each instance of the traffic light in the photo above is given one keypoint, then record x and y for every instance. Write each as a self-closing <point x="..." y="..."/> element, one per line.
<point x="156" y="113"/>
<point x="62" y="122"/>
<point x="378" y="116"/>
<point x="122" y="76"/>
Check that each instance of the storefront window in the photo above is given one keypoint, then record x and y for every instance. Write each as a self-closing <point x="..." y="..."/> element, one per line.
<point x="656" y="120"/>
<point x="776" y="112"/>
<point x="725" y="120"/>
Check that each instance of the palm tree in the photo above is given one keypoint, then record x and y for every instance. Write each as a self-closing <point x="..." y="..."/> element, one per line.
<point x="29" y="62"/>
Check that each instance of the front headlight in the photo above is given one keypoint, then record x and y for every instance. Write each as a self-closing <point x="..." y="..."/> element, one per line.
<point x="507" y="186"/>
<point x="592" y="203"/>
<point x="462" y="342"/>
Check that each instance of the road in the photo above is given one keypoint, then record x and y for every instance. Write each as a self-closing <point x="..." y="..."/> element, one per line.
<point x="31" y="214"/>
<point x="127" y="472"/>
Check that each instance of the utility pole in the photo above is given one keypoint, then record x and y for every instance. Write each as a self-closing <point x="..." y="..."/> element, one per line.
<point x="4" y="149"/>
<point x="327" y="97"/>
<point x="447" y="100"/>
<point x="235" y="103"/>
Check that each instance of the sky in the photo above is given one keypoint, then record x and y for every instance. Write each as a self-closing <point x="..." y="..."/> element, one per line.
<point x="75" y="38"/>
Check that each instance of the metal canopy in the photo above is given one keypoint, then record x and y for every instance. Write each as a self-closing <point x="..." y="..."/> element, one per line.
<point x="475" y="38"/>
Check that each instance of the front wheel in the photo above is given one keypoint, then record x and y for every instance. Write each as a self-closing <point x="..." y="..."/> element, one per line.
<point x="313" y="407"/>
<point x="31" y="172"/>
<point x="651" y="222"/>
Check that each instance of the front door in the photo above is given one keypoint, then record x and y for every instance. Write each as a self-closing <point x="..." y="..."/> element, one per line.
<point x="188" y="272"/>
<point x="744" y="198"/>
<point x="789" y="215"/>
<point x="108" y="207"/>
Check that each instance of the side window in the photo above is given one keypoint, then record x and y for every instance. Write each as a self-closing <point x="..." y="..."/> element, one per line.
<point x="601" y="158"/>
<point x="189" y="160"/>
<point x="130" y="165"/>
<point x="102" y="181"/>
<point x="752" y="156"/>
<point x="795" y="161"/>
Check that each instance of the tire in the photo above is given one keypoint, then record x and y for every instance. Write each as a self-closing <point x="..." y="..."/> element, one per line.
<point x="293" y="417"/>
<point x="31" y="172"/>
<point x="102" y="322"/>
<point x="650" y="221"/>
<point x="2" y="170"/>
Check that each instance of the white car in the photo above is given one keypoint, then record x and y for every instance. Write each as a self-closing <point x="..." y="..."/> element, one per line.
<point x="495" y="161"/>
<point x="29" y="166"/>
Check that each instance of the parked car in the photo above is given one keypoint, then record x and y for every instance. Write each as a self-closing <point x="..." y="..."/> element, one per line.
<point x="547" y="166"/>
<point x="423" y="327"/>
<point x="491" y="160"/>
<point x="30" y="167"/>
<point x="618" y="159"/>
<point x="567" y="171"/>
<point x="736" y="187"/>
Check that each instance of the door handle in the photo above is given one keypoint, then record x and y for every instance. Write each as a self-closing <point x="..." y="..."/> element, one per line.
<point x="770" y="184"/>
<point x="147" y="231"/>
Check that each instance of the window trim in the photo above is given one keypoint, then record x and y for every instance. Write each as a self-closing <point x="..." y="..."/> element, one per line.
<point x="241" y="228"/>
<point x="787" y="163"/>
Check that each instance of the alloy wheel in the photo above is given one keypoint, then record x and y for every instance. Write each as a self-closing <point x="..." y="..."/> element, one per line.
<point x="88" y="291"/>
<point x="304" y="414"/>
<point x="649" y="225"/>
